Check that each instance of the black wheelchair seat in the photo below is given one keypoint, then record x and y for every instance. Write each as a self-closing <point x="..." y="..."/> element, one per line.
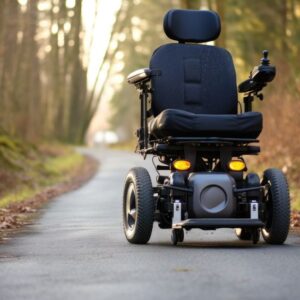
<point x="194" y="91"/>
<point x="180" y="123"/>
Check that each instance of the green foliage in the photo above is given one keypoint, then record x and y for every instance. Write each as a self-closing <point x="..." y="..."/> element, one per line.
<point x="53" y="170"/>
<point x="17" y="196"/>
<point x="14" y="153"/>
<point x="25" y="170"/>
<point x="59" y="166"/>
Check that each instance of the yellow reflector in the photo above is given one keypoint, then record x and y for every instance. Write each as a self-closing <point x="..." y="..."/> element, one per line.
<point x="181" y="165"/>
<point x="237" y="165"/>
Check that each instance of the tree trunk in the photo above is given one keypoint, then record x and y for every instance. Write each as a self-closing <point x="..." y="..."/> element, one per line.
<point x="221" y="9"/>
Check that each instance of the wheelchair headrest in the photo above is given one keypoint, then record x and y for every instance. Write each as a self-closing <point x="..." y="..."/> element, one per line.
<point x="196" y="26"/>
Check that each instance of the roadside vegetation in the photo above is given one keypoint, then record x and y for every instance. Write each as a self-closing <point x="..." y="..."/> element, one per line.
<point x="26" y="169"/>
<point x="31" y="175"/>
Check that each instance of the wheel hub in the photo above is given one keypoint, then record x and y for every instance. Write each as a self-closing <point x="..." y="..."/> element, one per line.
<point x="131" y="212"/>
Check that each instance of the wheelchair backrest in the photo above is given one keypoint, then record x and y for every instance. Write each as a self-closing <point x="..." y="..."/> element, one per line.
<point x="192" y="77"/>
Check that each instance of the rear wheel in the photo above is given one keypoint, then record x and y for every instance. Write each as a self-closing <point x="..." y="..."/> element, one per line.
<point x="138" y="206"/>
<point x="277" y="211"/>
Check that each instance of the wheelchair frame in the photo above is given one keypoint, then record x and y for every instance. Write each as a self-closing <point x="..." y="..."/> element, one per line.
<point x="257" y="205"/>
<point x="193" y="149"/>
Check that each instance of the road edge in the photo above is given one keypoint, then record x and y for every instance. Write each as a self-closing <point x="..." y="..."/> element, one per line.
<point x="17" y="216"/>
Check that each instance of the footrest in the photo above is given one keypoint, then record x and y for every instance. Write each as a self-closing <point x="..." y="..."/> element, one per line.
<point x="214" y="223"/>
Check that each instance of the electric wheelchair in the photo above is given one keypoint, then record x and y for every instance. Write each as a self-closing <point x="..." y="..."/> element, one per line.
<point x="190" y="123"/>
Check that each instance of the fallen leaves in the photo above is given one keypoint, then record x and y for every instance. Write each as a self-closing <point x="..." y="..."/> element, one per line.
<point x="8" y="221"/>
<point x="295" y="219"/>
<point x="18" y="214"/>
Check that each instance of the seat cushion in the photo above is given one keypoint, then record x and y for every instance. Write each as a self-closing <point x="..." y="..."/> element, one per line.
<point x="180" y="123"/>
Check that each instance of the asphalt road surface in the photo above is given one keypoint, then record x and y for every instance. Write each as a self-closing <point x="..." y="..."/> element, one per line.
<point x="76" y="250"/>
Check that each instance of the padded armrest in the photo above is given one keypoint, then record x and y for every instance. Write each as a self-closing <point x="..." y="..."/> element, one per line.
<point x="139" y="76"/>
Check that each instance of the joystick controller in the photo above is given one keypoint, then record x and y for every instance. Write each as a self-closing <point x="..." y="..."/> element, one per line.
<point x="258" y="79"/>
<point x="265" y="60"/>
<point x="259" y="76"/>
<point x="264" y="72"/>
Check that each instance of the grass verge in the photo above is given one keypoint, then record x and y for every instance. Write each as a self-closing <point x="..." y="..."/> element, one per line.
<point x="54" y="170"/>
<point x="31" y="175"/>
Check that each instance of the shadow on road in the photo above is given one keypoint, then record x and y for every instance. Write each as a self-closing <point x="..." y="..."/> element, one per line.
<point x="219" y="245"/>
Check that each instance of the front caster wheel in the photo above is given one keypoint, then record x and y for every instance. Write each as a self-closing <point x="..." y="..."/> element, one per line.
<point x="277" y="212"/>
<point x="248" y="234"/>
<point x="177" y="236"/>
<point x="243" y="234"/>
<point x="255" y="236"/>
<point x="138" y="206"/>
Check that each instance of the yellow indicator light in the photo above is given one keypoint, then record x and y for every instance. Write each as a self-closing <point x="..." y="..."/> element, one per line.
<point x="237" y="165"/>
<point x="181" y="165"/>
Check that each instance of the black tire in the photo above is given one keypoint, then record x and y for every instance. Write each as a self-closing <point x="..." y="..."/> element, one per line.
<point x="243" y="234"/>
<point x="174" y="237"/>
<point x="277" y="213"/>
<point x="180" y="233"/>
<point x="255" y="235"/>
<point x="177" y="236"/>
<point x="138" y="206"/>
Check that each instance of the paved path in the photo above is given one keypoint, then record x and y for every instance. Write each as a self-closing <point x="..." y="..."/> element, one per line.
<point x="76" y="250"/>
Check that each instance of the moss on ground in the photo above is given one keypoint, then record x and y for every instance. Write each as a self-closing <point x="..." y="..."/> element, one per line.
<point x="25" y="169"/>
